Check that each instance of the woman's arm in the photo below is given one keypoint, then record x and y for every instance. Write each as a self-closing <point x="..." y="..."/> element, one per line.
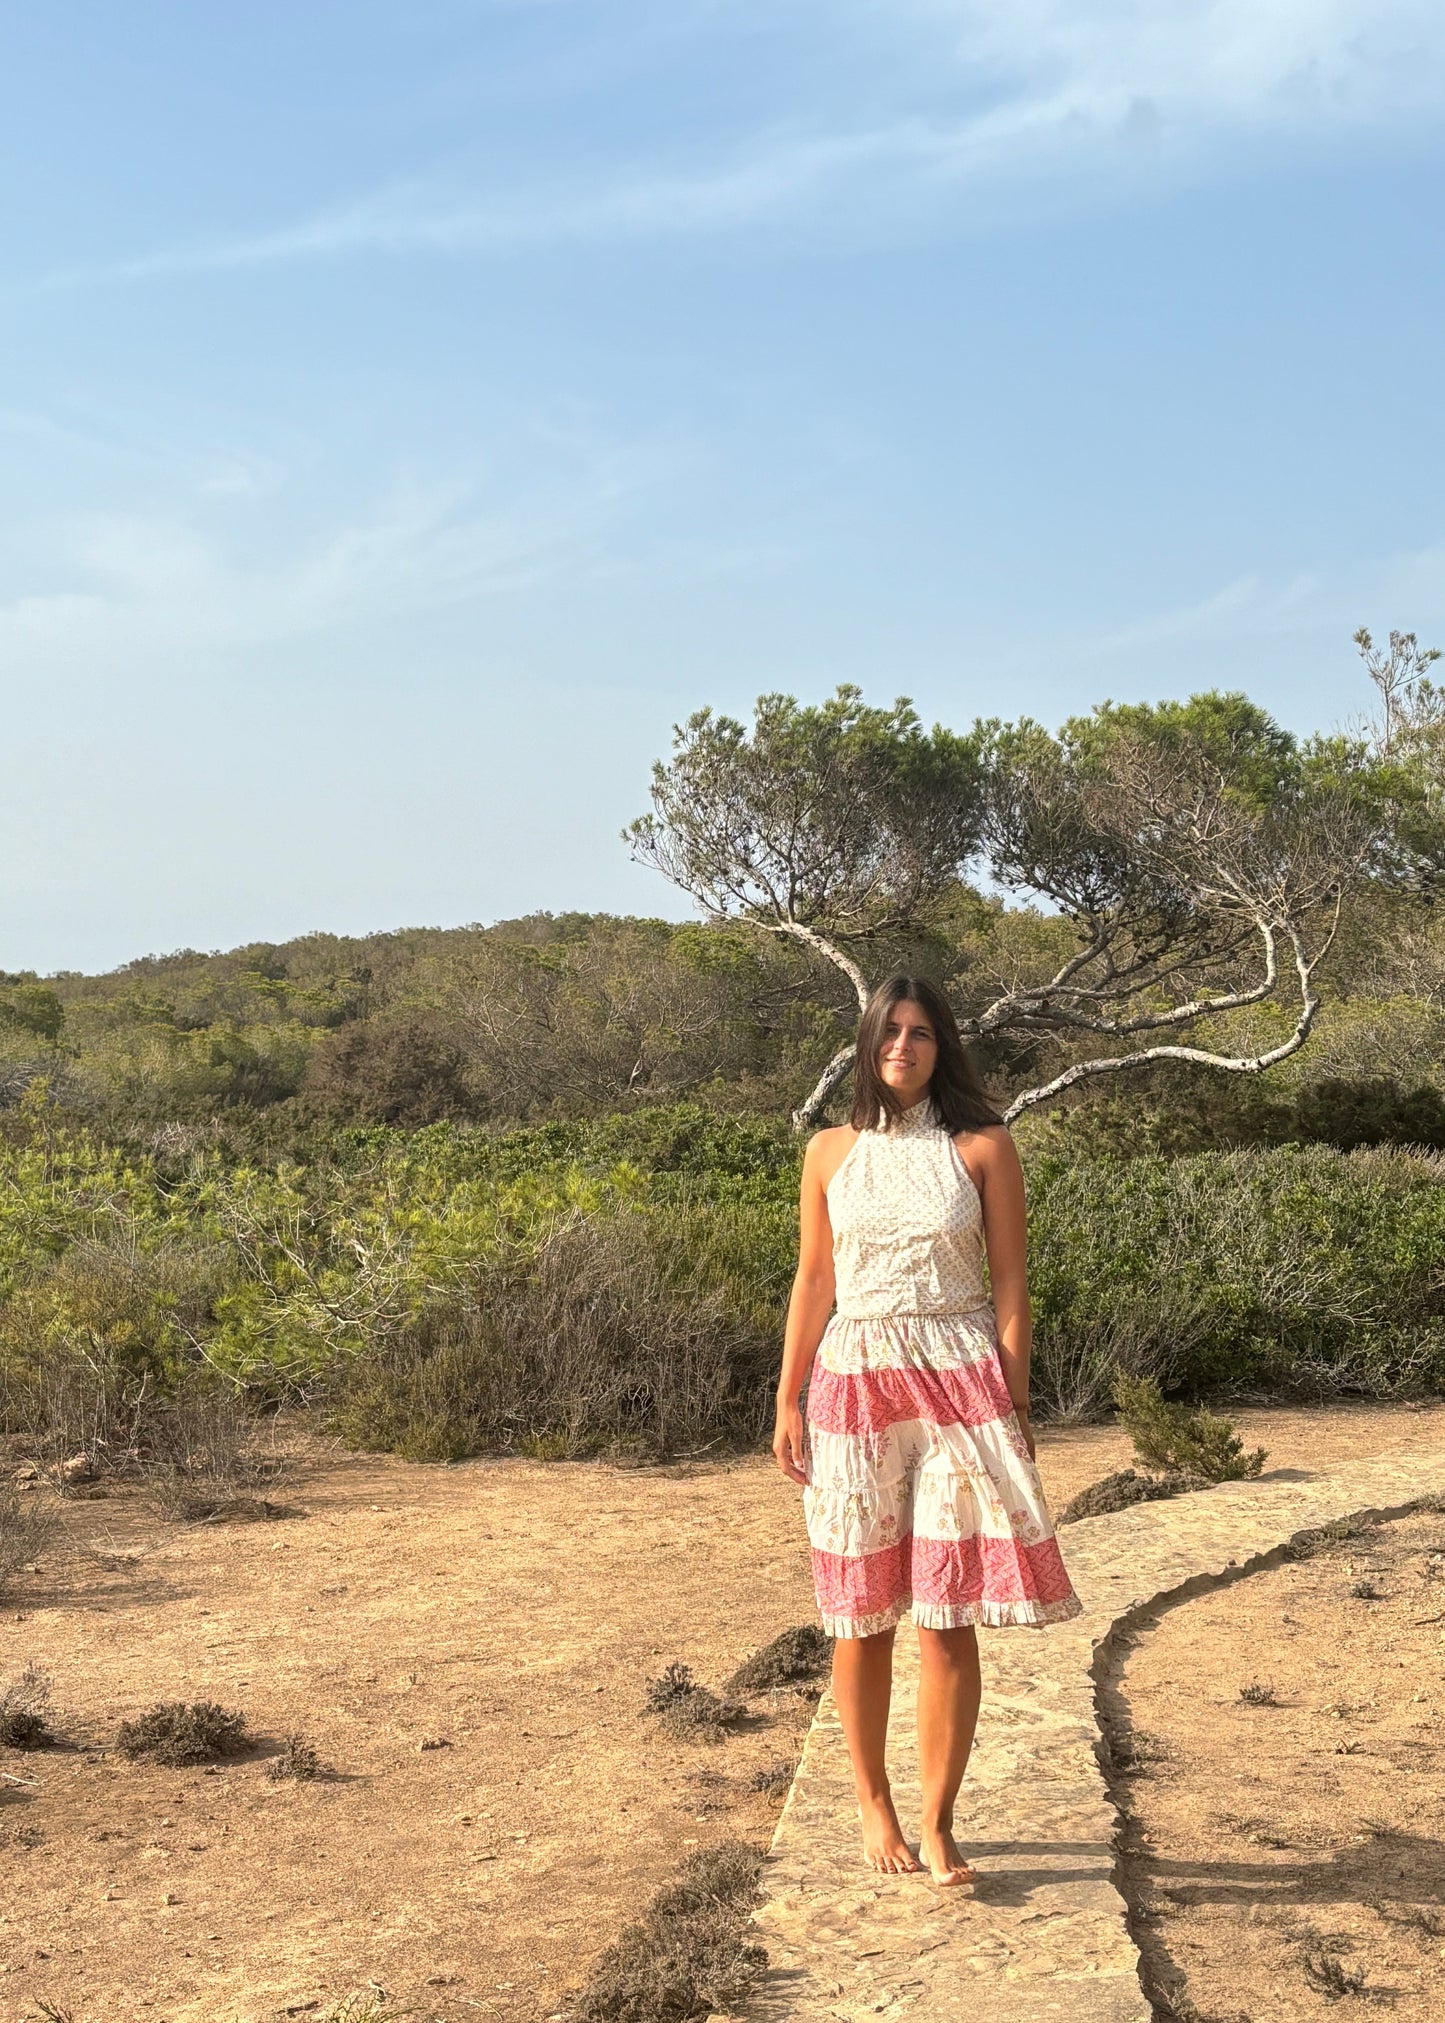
<point x="1005" y="1232"/>
<point x="810" y="1303"/>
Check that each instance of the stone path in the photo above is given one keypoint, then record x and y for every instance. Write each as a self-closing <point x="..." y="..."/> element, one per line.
<point x="1044" y="1933"/>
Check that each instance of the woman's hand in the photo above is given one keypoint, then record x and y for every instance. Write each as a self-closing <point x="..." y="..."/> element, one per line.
<point x="790" y="1442"/>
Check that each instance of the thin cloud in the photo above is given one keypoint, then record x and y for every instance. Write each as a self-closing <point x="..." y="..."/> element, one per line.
<point x="1041" y="89"/>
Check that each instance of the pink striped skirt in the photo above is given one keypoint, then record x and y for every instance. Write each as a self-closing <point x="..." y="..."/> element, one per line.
<point x="921" y="1495"/>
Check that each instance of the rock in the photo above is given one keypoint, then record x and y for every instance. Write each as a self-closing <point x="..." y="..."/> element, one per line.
<point x="26" y="1472"/>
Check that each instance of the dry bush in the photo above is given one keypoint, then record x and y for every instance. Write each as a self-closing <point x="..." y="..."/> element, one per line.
<point x="201" y="1459"/>
<point x="1121" y="1490"/>
<point x="603" y="1341"/>
<point x="67" y="1403"/>
<point x="371" y="2005"/>
<point x="177" y="1732"/>
<point x="26" y="1528"/>
<point x="23" y="1701"/>
<point x="773" y="1780"/>
<point x="688" y="1711"/>
<point x="797" y="1654"/>
<point x="1258" y="1694"/>
<point x="297" y="1759"/>
<point x="689" y="1954"/>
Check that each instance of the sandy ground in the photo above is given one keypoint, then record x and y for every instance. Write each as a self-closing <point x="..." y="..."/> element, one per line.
<point x="509" y="1612"/>
<point x="1286" y="1855"/>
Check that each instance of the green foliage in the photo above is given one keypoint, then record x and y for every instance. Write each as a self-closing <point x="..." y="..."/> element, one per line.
<point x="839" y="815"/>
<point x="1168" y="1435"/>
<point x="1299" y="1270"/>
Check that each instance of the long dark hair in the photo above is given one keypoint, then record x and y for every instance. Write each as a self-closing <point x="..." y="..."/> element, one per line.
<point x="956" y="1088"/>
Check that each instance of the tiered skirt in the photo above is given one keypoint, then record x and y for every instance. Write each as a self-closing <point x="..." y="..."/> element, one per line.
<point x="921" y="1495"/>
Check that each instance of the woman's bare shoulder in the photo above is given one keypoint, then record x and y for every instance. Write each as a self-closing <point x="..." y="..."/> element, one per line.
<point x="827" y="1150"/>
<point x="990" y="1148"/>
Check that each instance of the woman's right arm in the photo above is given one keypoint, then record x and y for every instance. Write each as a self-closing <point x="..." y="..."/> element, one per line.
<point x="808" y="1307"/>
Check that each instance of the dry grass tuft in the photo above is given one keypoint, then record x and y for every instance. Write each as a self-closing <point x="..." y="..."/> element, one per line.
<point x="1125" y="1487"/>
<point x="372" y="2005"/>
<point x="1328" y="1975"/>
<point x="1258" y="1693"/>
<point x="690" y="1712"/>
<point x="297" y="1759"/>
<point x="26" y="1528"/>
<point x="774" y="1780"/>
<point x="22" y="1710"/>
<point x="177" y="1732"/>
<point x="797" y="1654"/>
<point x="689" y="1953"/>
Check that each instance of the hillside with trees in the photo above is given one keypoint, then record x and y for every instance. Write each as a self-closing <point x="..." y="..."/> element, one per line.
<point x="530" y="1186"/>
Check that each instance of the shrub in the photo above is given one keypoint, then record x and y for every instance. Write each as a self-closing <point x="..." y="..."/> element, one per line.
<point x="200" y="1457"/>
<point x="26" y="1528"/>
<point x="688" y="1711"/>
<point x="689" y="1953"/>
<point x="405" y="1068"/>
<point x="299" y="1759"/>
<point x="797" y="1654"/>
<point x="1167" y="1435"/>
<point x="178" y="1733"/>
<point x="1298" y="1271"/>
<point x="1120" y="1491"/>
<point x="23" y="1700"/>
<point x="605" y="1340"/>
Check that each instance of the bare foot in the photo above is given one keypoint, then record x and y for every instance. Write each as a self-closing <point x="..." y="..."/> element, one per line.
<point x="883" y="1841"/>
<point x="945" y="1864"/>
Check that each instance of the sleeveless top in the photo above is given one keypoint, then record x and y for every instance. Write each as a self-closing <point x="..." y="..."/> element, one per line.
<point x="907" y="1222"/>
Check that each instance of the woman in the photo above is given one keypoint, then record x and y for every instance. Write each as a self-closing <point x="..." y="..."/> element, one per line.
<point x="917" y="1460"/>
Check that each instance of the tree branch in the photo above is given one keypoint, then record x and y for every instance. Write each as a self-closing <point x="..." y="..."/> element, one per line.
<point x="1241" y="1064"/>
<point x="811" y="1112"/>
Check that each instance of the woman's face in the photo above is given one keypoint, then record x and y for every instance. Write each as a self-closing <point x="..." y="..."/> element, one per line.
<point x="909" y="1051"/>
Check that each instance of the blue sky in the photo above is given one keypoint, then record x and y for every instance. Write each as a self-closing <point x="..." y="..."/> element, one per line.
<point x="411" y="411"/>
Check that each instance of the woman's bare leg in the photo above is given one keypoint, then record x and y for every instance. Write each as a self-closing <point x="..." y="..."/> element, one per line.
<point x="948" y="1696"/>
<point x="862" y="1687"/>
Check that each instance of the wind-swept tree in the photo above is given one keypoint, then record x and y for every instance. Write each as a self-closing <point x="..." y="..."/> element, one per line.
<point x="833" y="825"/>
<point x="1198" y="854"/>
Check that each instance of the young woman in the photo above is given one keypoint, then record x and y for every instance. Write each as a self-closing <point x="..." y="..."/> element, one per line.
<point x="917" y="1461"/>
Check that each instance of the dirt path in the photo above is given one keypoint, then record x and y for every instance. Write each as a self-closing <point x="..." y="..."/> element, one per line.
<point x="508" y="1611"/>
<point x="1286" y="1850"/>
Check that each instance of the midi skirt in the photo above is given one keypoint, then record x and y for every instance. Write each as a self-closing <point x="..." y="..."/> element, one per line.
<point x="921" y="1495"/>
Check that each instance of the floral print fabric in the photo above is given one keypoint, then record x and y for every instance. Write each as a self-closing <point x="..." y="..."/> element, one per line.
<point x="921" y="1494"/>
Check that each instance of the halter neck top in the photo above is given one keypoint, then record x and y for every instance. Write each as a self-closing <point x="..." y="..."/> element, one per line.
<point x="907" y="1222"/>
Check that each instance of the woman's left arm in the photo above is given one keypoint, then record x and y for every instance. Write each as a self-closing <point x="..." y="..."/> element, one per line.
<point x="1005" y="1232"/>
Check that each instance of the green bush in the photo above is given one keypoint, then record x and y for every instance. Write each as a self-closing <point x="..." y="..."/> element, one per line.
<point x="1171" y="1436"/>
<point x="626" y="1333"/>
<point x="1298" y="1271"/>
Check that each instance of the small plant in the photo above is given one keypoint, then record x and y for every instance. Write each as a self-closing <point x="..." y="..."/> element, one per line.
<point x="297" y="1759"/>
<point x="372" y="2005"/>
<point x="1188" y="1441"/>
<point x="176" y="1732"/>
<point x="1258" y="1694"/>
<point x="689" y="1954"/>
<point x="774" y="1780"/>
<point x="797" y="1654"/>
<point x="22" y="1711"/>
<point x="1328" y="1975"/>
<point x="1121" y="1490"/>
<point x="1137" y="1750"/>
<point x="25" y="1530"/>
<point x="1365" y="1591"/>
<point x="690" y="1712"/>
